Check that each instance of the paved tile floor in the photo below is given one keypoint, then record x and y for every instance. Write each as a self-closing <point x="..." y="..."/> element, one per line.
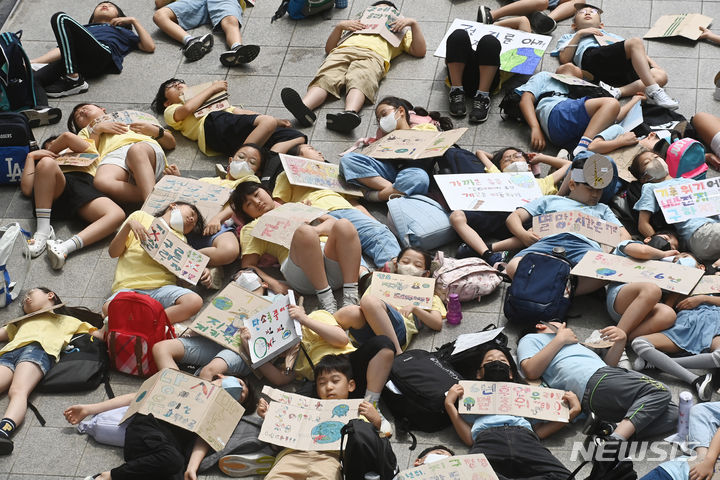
<point x="291" y="53"/>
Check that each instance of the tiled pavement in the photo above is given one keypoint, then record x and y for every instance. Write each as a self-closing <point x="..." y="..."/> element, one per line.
<point x="291" y="53"/>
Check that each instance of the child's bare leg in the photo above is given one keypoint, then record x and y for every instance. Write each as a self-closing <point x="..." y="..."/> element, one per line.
<point x="376" y="316"/>
<point x="264" y="125"/>
<point x="27" y="376"/>
<point x="660" y="318"/>
<point x="231" y="26"/>
<point x="354" y="100"/>
<point x="51" y="56"/>
<point x="305" y="252"/>
<point x="113" y="181"/>
<point x="706" y="125"/>
<point x="519" y="7"/>
<point x="634" y="302"/>
<point x="184" y="307"/>
<point x="659" y="76"/>
<point x="569" y="69"/>
<point x="512" y="266"/>
<point x="455" y="73"/>
<point x="217" y="366"/>
<point x="343" y="246"/>
<point x="314" y="97"/>
<point x="167" y="352"/>
<point x="140" y="161"/>
<point x="565" y="9"/>
<point x="49" y="182"/>
<point x="587" y="285"/>
<point x="166" y="21"/>
<point x="516" y="23"/>
<point x="487" y="74"/>
<point x="224" y="250"/>
<point x="378" y="370"/>
<point x="512" y="243"/>
<point x="104" y="217"/>
<point x="382" y="185"/>
<point x="602" y="112"/>
<point x="635" y="52"/>
<point x="458" y="220"/>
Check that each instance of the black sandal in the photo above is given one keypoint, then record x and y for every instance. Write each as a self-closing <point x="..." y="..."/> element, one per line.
<point x="293" y="102"/>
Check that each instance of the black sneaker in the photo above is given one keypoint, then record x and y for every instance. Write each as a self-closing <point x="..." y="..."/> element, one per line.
<point x="293" y="102"/>
<point x="465" y="251"/>
<point x="240" y="55"/>
<point x="542" y="23"/>
<point x="704" y="387"/>
<point x="343" y="122"/>
<point x="484" y="15"/>
<point x="457" y="104"/>
<point x="197" y="47"/>
<point x="481" y="107"/>
<point x="39" y="116"/>
<point x="65" y="86"/>
<point x="6" y="445"/>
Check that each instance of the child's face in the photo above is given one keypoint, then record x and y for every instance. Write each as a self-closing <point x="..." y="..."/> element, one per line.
<point x="189" y="217"/>
<point x="86" y="114"/>
<point x="687" y="260"/>
<point x="105" y="12"/>
<point x="587" y="17"/>
<point x="257" y="203"/>
<point x="438" y="451"/>
<point x="671" y="239"/>
<point x="247" y="154"/>
<point x="333" y="385"/>
<point x="411" y="262"/>
<point x="308" y="151"/>
<point x="491" y="356"/>
<point x="173" y="91"/>
<point x="510" y="156"/>
<point x="584" y="193"/>
<point x="36" y="299"/>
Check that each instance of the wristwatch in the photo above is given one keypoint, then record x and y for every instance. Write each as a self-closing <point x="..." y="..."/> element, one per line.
<point x="161" y="132"/>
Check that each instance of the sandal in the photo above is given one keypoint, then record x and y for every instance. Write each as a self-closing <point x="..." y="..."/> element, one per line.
<point x="343" y="122"/>
<point x="293" y="102"/>
<point x="38" y="242"/>
<point x="56" y="254"/>
<point x="241" y="55"/>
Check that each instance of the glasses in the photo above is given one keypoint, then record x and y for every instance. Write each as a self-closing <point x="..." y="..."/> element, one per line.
<point x="587" y="11"/>
<point x="173" y="84"/>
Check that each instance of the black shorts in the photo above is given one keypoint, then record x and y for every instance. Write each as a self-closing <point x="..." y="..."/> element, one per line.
<point x="225" y="131"/>
<point x="609" y="64"/>
<point x="79" y="191"/>
<point x="488" y="223"/>
<point x="360" y="359"/>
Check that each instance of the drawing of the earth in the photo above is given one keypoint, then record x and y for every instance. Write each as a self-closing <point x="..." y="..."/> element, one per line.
<point x="222" y="303"/>
<point x="605" y="271"/>
<point x="522" y="181"/>
<point x="326" y="432"/>
<point x="340" y="411"/>
<point x="520" y="60"/>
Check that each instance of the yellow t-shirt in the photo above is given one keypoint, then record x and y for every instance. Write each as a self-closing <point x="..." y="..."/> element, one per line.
<point x="191" y="127"/>
<point x="135" y="268"/>
<point x="110" y="142"/>
<point x="52" y="331"/>
<point x="228" y="183"/>
<point x="91" y="169"/>
<point x="379" y="45"/>
<point x="316" y="347"/>
<point x="325" y="199"/>
<point x="546" y="184"/>
<point x="251" y="245"/>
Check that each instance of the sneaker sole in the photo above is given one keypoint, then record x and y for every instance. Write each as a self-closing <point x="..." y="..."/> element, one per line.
<point x="341" y="123"/>
<point x="292" y="101"/>
<point x="672" y="107"/>
<point x="73" y="91"/>
<point x="541" y="23"/>
<point x="245" y="465"/>
<point x="244" y="54"/>
<point x="46" y="116"/>
<point x="478" y="120"/>
<point x="194" y="52"/>
<point x="57" y="262"/>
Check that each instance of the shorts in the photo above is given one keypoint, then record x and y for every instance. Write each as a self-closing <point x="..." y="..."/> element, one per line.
<point x="200" y="351"/>
<point x="225" y="131"/>
<point x="284" y="134"/>
<point x="205" y="241"/>
<point x="362" y="335"/>
<point x="612" y="292"/>
<point x="306" y="464"/>
<point x="575" y="247"/>
<point x="695" y="329"/>
<point x="79" y="191"/>
<point x="167" y="295"/>
<point x="32" y="353"/>
<point x="297" y="279"/>
<point x="609" y="64"/>
<point x="567" y="122"/>
<point x="704" y="243"/>
<point x="351" y="67"/>
<point x="488" y="223"/>
<point x="715" y="144"/>
<point x="193" y="13"/>
<point x="117" y="157"/>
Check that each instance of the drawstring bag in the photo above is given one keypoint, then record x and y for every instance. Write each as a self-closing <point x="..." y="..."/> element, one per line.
<point x="14" y="261"/>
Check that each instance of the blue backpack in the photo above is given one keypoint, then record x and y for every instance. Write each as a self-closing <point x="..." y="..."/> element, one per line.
<point x="541" y="290"/>
<point x="17" y="86"/>
<point x="299" y="9"/>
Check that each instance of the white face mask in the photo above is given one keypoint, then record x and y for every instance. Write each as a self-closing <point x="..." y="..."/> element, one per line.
<point x="657" y="170"/>
<point x="249" y="281"/>
<point x="176" y="220"/>
<point x="239" y="169"/>
<point x="434" y="457"/>
<point x="409" y="269"/>
<point x="517" y="167"/>
<point x="388" y="123"/>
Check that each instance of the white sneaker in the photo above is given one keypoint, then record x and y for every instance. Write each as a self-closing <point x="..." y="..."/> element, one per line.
<point x="246" y="464"/>
<point x="615" y="92"/>
<point x="624" y="362"/>
<point x="703" y="387"/>
<point x="38" y="242"/>
<point x="641" y="364"/>
<point x="660" y="98"/>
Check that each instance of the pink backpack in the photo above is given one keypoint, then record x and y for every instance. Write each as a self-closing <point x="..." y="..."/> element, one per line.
<point x="470" y="278"/>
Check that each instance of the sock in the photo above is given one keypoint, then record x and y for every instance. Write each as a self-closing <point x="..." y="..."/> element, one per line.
<point x="235" y="45"/>
<point x="372" y="397"/>
<point x="74" y="243"/>
<point x="372" y="196"/>
<point x="457" y="89"/>
<point x="480" y="94"/>
<point x="187" y="38"/>
<point x="648" y="352"/>
<point x="43" y="221"/>
<point x="650" y="89"/>
<point x="583" y="145"/>
<point x="350" y="294"/>
<point x="7" y="427"/>
<point x="701" y="361"/>
<point x="326" y="298"/>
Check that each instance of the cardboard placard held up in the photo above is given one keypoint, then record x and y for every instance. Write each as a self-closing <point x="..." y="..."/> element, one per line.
<point x="217" y="102"/>
<point x="171" y="252"/>
<point x="127" y="117"/>
<point x="413" y="144"/>
<point x="690" y="200"/>
<point x="575" y="221"/>
<point x="278" y="225"/>
<point x="272" y="331"/>
<point x="707" y="285"/>
<point x="190" y="403"/>
<point x="520" y="52"/>
<point x="378" y="20"/>
<point x="604" y="40"/>
<point x="488" y="192"/>
<point x="666" y="275"/>
<point x="207" y="197"/>
<point x="321" y="175"/>
<point x="475" y="467"/>
<point x="304" y="423"/>
<point x="683" y="25"/>
<point x="513" y="399"/>
<point x="401" y="290"/>
<point x="42" y="310"/>
<point x="222" y="318"/>
<point x="72" y="159"/>
<point x="623" y="158"/>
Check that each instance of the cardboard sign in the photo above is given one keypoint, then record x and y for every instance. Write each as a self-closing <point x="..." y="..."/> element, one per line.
<point x="691" y="200"/>
<point x="77" y="159"/>
<point x="604" y="40"/>
<point x="520" y="52"/>
<point x="279" y="224"/>
<point x="208" y="198"/>
<point x="683" y="25"/>
<point x="571" y="80"/>
<point x="623" y="159"/>
<point x="470" y="467"/>
<point x="217" y="102"/>
<point x="509" y="398"/>
<point x="321" y="175"/>
<point x="305" y="423"/>
<point x="272" y="331"/>
<point x="402" y="290"/>
<point x="171" y="252"/>
<point x="708" y="285"/>
<point x="488" y="192"/>
<point x="127" y="117"/>
<point x="633" y="118"/>
<point x="222" y="318"/>
<point x="574" y="221"/>
<point x="378" y="21"/>
<point x="413" y="144"/>
<point x="666" y="275"/>
<point x="190" y="403"/>
<point x="38" y="312"/>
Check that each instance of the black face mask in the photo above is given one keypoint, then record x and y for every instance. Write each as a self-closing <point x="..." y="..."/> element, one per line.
<point x="496" y="371"/>
<point x="656" y="241"/>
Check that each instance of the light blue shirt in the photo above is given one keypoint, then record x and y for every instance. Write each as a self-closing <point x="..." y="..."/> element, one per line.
<point x="648" y="203"/>
<point x="611" y="132"/>
<point x="582" y="45"/>
<point x="570" y="369"/>
<point x="678" y="468"/>
<point x="541" y="83"/>
<point x="483" y="422"/>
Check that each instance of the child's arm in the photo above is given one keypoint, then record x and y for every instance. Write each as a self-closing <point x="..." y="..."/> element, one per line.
<point x="332" y="334"/>
<point x="646" y="252"/>
<point x="527" y="107"/>
<point x="200" y="449"/>
<point x="545" y="429"/>
<point x="272" y="374"/>
<point x="251" y="261"/>
<point x="535" y="366"/>
<point x="568" y="52"/>
<point x="215" y="223"/>
<point x="146" y="43"/>
<point x="484" y="159"/>
<point x="117" y="245"/>
<point x="27" y="180"/>
<point x="461" y="426"/>
<point x="191" y="106"/>
<point x="515" y="222"/>
<point x="704" y="470"/>
<point x="334" y="38"/>
<point x="69" y="140"/>
<point x="418" y="47"/>
<point x="708" y="35"/>
<point x="367" y="410"/>
<point x="644" y="226"/>
<point x="600" y="145"/>
<point x="619" y="338"/>
<point x="76" y="413"/>
<point x="431" y="318"/>
<point x="161" y="135"/>
<point x="560" y="164"/>
<point x="691" y="302"/>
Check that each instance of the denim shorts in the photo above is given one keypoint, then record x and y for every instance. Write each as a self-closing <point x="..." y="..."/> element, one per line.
<point x="167" y="295"/>
<point x="575" y="247"/>
<point x="567" y="122"/>
<point x="200" y="351"/>
<point x="32" y="352"/>
<point x="193" y="13"/>
<point x="612" y="292"/>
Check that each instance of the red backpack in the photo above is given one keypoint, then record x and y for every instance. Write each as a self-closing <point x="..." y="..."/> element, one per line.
<point x="136" y="322"/>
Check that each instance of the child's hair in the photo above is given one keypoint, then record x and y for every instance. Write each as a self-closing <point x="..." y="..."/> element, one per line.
<point x="426" y="255"/>
<point x="237" y="198"/>
<point x="666" y="232"/>
<point x="83" y="314"/>
<point x="497" y="156"/>
<point x="385" y="2"/>
<point x="508" y="355"/>
<point x="261" y="150"/>
<point x="334" y="363"/>
<point x="71" y="125"/>
<point x="436" y="447"/>
<point x="119" y="10"/>
<point x="199" y="224"/>
<point x="158" y="104"/>
<point x="251" y="399"/>
<point x="444" y="122"/>
<point x="46" y="143"/>
<point x="634" y="167"/>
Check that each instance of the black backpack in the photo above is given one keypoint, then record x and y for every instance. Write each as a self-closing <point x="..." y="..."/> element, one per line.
<point x="466" y="362"/>
<point x="510" y="107"/>
<point x="17" y="85"/>
<point x="422" y="380"/>
<point x="15" y="138"/>
<point x="83" y="365"/>
<point x="365" y="452"/>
